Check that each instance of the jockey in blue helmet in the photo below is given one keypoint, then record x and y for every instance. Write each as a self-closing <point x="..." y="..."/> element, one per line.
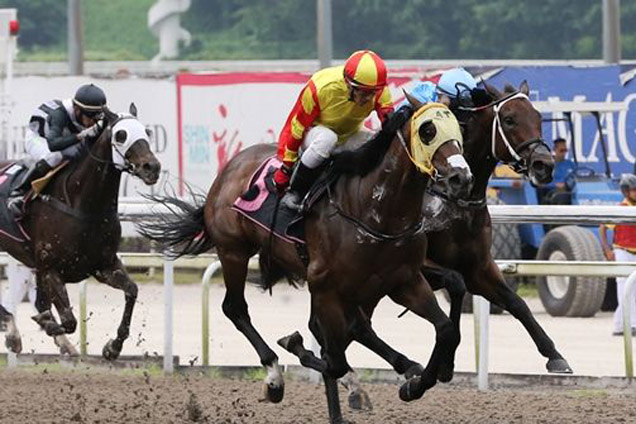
<point x="455" y="88"/>
<point x="457" y="84"/>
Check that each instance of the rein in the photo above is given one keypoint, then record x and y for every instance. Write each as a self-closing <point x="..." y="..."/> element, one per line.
<point x="370" y="232"/>
<point x="367" y="230"/>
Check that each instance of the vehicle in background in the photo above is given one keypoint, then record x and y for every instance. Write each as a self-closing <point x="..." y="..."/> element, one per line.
<point x="563" y="296"/>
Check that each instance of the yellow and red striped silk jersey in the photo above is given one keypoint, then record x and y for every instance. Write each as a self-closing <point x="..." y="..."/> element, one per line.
<point x="325" y="101"/>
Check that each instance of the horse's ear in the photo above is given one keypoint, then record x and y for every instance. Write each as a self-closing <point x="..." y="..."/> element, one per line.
<point x="133" y="110"/>
<point x="412" y="100"/>
<point x="110" y="115"/>
<point x="492" y="91"/>
<point x="524" y="87"/>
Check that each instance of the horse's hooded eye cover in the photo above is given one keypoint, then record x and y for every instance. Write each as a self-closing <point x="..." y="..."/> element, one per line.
<point x="124" y="134"/>
<point x="446" y="128"/>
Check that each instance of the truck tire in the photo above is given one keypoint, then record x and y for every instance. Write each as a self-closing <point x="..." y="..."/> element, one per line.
<point x="506" y="244"/>
<point x="571" y="296"/>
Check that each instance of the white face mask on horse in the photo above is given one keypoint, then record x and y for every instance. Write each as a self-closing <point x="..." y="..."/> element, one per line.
<point x="126" y="131"/>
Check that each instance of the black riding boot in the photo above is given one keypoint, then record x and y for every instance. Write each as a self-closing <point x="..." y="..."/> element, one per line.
<point x="15" y="202"/>
<point x="302" y="180"/>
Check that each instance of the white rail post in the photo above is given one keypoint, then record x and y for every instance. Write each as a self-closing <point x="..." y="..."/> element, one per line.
<point x="627" y="326"/>
<point x="482" y="308"/>
<point x="168" y="289"/>
<point x="205" y="311"/>
<point x="83" y="330"/>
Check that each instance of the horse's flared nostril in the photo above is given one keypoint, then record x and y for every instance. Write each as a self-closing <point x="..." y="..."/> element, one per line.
<point x="542" y="170"/>
<point x="460" y="183"/>
<point x="152" y="167"/>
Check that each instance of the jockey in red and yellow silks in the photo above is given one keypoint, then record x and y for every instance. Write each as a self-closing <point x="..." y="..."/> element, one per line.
<point x="330" y="111"/>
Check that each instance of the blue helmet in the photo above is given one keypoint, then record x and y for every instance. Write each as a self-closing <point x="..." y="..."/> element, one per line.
<point x="456" y="81"/>
<point x="422" y="91"/>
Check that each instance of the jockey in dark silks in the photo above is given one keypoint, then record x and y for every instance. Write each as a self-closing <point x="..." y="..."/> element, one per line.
<point x="56" y="131"/>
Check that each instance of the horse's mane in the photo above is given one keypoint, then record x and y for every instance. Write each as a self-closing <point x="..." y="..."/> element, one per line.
<point x="367" y="157"/>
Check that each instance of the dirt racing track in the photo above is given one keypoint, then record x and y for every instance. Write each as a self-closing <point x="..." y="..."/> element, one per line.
<point x="57" y="393"/>
<point x="91" y="396"/>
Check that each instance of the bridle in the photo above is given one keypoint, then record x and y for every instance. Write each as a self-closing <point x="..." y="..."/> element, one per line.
<point x="123" y="165"/>
<point x="518" y="163"/>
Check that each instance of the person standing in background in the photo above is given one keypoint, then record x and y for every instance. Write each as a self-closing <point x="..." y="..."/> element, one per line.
<point x="622" y="249"/>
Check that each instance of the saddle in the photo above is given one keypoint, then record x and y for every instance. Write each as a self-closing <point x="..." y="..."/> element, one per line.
<point x="260" y="202"/>
<point x="11" y="177"/>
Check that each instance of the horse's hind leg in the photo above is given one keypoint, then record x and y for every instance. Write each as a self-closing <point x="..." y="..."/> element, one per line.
<point x="117" y="277"/>
<point x="12" y="339"/>
<point x="48" y="286"/>
<point x="492" y="285"/>
<point x="419" y="298"/>
<point x="234" y="267"/>
<point x="365" y="335"/>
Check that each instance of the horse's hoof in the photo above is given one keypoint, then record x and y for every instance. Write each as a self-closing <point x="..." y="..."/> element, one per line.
<point x="558" y="366"/>
<point x="445" y="373"/>
<point x="411" y="390"/>
<point x="69" y="327"/>
<point x="413" y="371"/>
<point x="68" y="350"/>
<point x="359" y="401"/>
<point x="291" y="342"/>
<point x="273" y="394"/>
<point x="110" y="352"/>
<point x="13" y="343"/>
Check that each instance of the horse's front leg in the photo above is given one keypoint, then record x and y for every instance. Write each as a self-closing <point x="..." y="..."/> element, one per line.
<point x="234" y="266"/>
<point x="365" y="335"/>
<point x="419" y="298"/>
<point x="330" y="325"/>
<point x="117" y="277"/>
<point x="491" y="284"/>
<point x="453" y="282"/>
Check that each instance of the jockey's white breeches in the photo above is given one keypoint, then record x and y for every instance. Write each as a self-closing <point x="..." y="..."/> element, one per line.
<point x="320" y="142"/>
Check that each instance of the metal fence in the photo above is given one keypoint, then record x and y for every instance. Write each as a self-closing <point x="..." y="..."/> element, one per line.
<point x="590" y="215"/>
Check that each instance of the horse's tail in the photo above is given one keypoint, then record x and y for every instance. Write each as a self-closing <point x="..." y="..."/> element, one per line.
<point x="179" y="231"/>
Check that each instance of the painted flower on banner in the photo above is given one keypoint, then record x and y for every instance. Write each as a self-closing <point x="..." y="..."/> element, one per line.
<point x="227" y="143"/>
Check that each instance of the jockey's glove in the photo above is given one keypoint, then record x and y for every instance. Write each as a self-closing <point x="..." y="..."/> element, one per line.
<point x="282" y="177"/>
<point x="90" y="132"/>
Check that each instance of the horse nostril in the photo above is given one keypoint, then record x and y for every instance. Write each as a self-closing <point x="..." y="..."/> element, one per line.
<point x="151" y="167"/>
<point x="455" y="181"/>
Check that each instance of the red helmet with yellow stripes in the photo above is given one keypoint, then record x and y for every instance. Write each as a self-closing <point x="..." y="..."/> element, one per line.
<point x="365" y="70"/>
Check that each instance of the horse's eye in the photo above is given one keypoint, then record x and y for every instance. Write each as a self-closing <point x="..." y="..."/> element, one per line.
<point x="120" y="136"/>
<point x="509" y="121"/>
<point x="427" y="132"/>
